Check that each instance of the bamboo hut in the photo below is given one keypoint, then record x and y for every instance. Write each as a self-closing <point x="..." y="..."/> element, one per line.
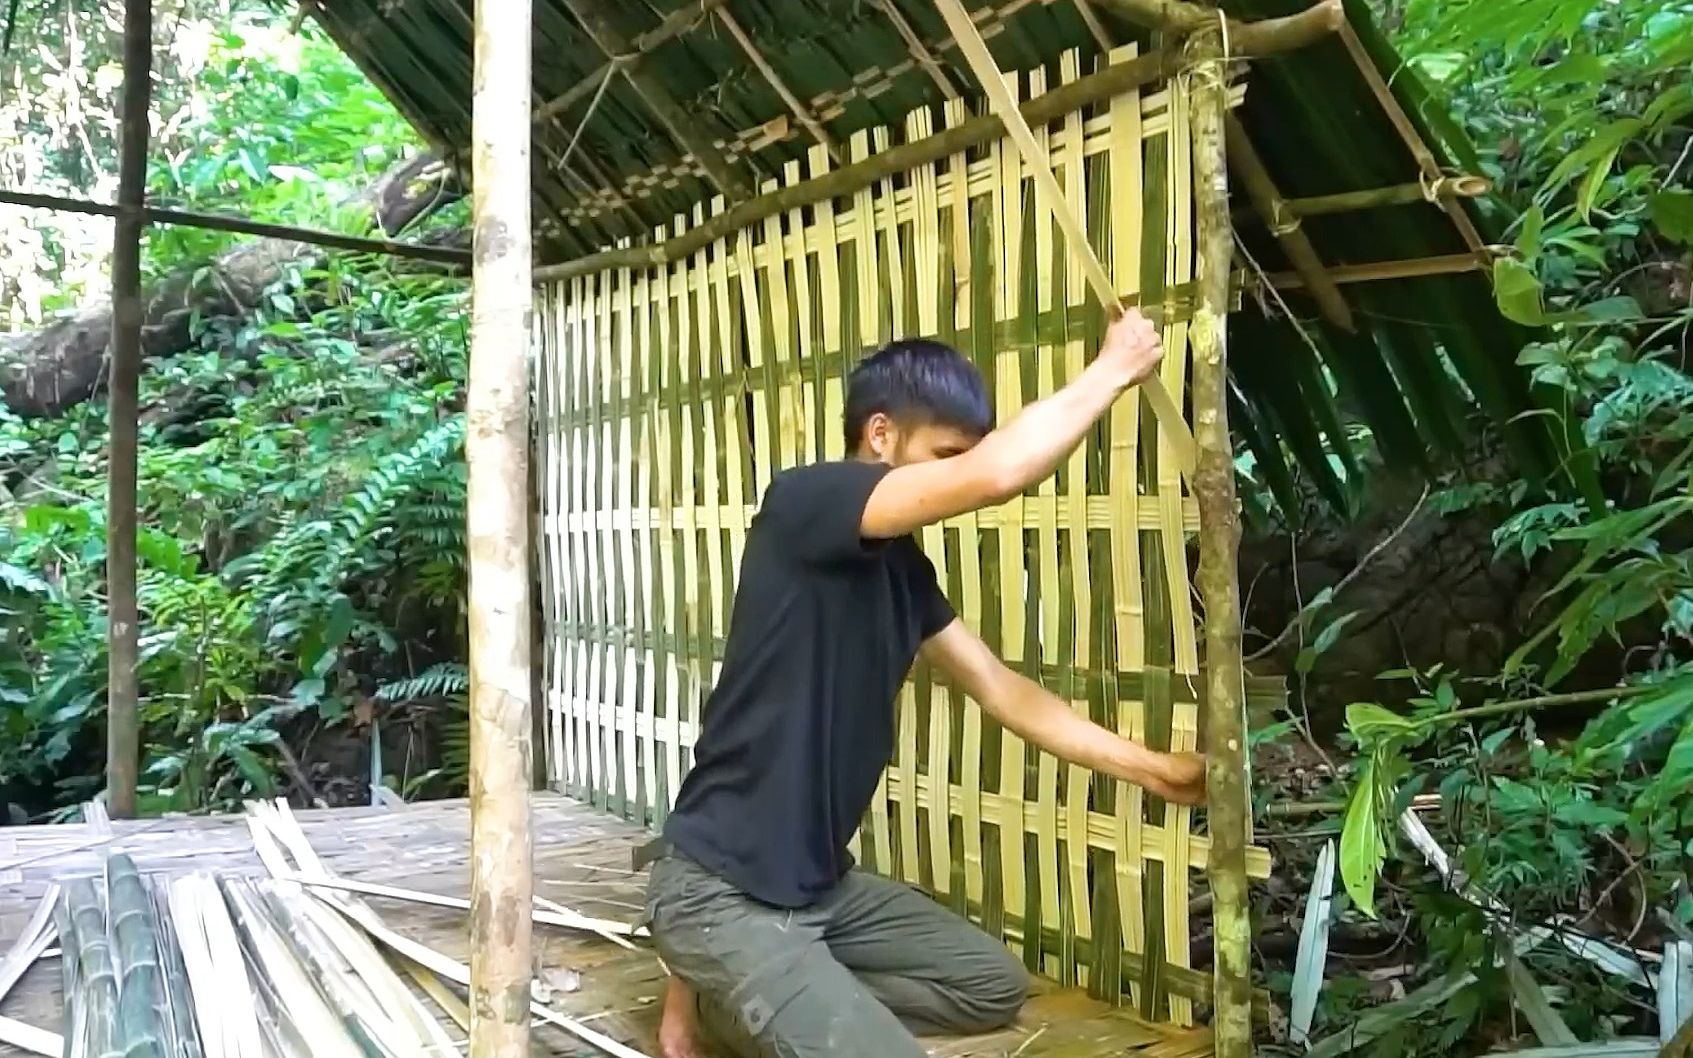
<point x="731" y="201"/>
<point x="736" y="199"/>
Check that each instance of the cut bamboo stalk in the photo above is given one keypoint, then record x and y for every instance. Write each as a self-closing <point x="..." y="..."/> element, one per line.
<point x="866" y="171"/>
<point x="1005" y="107"/>
<point x="547" y="912"/>
<point x="597" y="18"/>
<point x="496" y="451"/>
<point x="1263" y="37"/>
<point x="1219" y="541"/>
<point x="123" y="733"/>
<point x="1284" y="225"/>
<point x="1464" y="185"/>
<point x="15" y="1033"/>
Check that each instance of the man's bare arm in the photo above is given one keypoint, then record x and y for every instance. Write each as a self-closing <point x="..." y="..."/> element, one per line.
<point x="1020" y="453"/>
<point x="1039" y="716"/>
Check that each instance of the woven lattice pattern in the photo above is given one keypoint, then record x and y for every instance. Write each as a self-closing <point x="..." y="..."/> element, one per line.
<point x="669" y="397"/>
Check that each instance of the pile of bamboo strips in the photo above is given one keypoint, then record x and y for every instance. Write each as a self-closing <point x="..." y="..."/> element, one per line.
<point x="291" y="965"/>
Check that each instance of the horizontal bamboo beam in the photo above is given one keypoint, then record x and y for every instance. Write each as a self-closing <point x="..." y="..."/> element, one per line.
<point x="1446" y="264"/>
<point x="1263" y="37"/>
<point x="242" y="226"/>
<point x="1465" y="185"/>
<point x="1113" y="80"/>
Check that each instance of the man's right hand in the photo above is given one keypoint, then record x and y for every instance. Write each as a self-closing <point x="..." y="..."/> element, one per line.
<point x="1131" y="351"/>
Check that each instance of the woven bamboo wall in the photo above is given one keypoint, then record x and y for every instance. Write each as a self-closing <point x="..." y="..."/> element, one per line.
<point x="667" y="399"/>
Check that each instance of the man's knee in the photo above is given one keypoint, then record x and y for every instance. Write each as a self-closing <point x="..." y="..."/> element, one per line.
<point x="991" y="988"/>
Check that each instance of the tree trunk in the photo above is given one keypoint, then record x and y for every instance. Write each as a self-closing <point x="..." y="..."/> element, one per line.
<point x="46" y="371"/>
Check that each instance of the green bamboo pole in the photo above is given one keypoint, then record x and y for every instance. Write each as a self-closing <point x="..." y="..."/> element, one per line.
<point x="1464" y="185"/>
<point x="497" y="453"/>
<point x="123" y="735"/>
<point x="1229" y="807"/>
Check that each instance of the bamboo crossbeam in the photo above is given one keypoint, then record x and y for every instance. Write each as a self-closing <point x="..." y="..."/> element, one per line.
<point x="123" y="732"/>
<point x="993" y="82"/>
<point x="1444" y="264"/>
<point x="596" y="17"/>
<point x="1262" y="37"/>
<point x="1271" y="208"/>
<point x="674" y="25"/>
<point x="848" y="179"/>
<point x="801" y="113"/>
<point x="497" y="455"/>
<point x="243" y="226"/>
<point x="1229" y="802"/>
<point x="1464" y="185"/>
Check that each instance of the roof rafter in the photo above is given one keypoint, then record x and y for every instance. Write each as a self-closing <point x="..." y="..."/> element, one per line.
<point x="597" y="20"/>
<point x="673" y="26"/>
<point x="799" y="109"/>
<point x="919" y="51"/>
<point x="1284" y="225"/>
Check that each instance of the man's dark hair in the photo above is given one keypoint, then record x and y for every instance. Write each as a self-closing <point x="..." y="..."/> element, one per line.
<point x="917" y="382"/>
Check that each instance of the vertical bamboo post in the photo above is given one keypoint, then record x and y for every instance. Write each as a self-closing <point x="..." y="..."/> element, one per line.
<point x="497" y="453"/>
<point x="123" y="734"/>
<point x="1219" y="545"/>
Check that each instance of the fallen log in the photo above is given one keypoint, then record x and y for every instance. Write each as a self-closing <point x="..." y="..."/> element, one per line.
<point x="43" y="372"/>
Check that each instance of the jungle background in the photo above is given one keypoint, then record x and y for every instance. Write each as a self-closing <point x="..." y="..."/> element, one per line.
<point x="1453" y="646"/>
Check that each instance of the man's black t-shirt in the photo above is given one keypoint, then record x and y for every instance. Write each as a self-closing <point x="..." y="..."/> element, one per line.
<point x="796" y="734"/>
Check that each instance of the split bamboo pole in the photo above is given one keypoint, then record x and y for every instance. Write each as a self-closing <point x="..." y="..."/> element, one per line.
<point x="497" y="454"/>
<point x="976" y="53"/>
<point x="1228" y="806"/>
<point x="123" y="750"/>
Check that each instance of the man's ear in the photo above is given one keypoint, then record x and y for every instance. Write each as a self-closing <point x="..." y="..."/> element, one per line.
<point x="879" y="434"/>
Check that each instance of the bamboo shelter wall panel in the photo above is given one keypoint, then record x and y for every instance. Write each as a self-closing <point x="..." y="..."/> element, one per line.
<point x="668" y="397"/>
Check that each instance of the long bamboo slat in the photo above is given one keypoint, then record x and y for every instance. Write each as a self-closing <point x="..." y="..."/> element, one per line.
<point x="671" y="395"/>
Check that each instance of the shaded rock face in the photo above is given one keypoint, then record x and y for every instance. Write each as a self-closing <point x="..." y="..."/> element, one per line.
<point x="1427" y="589"/>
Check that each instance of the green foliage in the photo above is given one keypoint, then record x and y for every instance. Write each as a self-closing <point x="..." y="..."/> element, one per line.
<point x="301" y="470"/>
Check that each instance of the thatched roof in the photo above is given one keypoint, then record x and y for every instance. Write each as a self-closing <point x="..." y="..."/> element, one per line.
<point x="1322" y="121"/>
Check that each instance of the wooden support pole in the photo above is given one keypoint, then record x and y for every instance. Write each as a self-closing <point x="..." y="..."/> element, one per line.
<point x="1264" y="37"/>
<point x="799" y="110"/>
<point x="497" y="455"/>
<point x="242" y="226"/>
<point x="123" y="729"/>
<point x="1229" y="807"/>
<point x="1463" y="185"/>
<point x="1284" y="225"/>
<point x="597" y="19"/>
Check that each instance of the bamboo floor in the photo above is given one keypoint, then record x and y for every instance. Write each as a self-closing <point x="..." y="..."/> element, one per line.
<point x="581" y="859"/>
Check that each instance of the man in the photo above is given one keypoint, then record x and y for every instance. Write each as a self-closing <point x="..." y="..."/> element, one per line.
<point x="775" y="942"/>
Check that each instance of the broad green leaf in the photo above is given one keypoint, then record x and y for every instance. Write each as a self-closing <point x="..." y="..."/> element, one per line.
<point x="1672" y="212"/>
<point x="1518" y="292"/>
<point x="1361" y="847"/>
<point x="1370" y="723"/>
<point x="1528" y="240"/>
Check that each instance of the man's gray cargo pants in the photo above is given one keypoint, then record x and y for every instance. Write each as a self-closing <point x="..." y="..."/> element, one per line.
<point x="857" y="973"/>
